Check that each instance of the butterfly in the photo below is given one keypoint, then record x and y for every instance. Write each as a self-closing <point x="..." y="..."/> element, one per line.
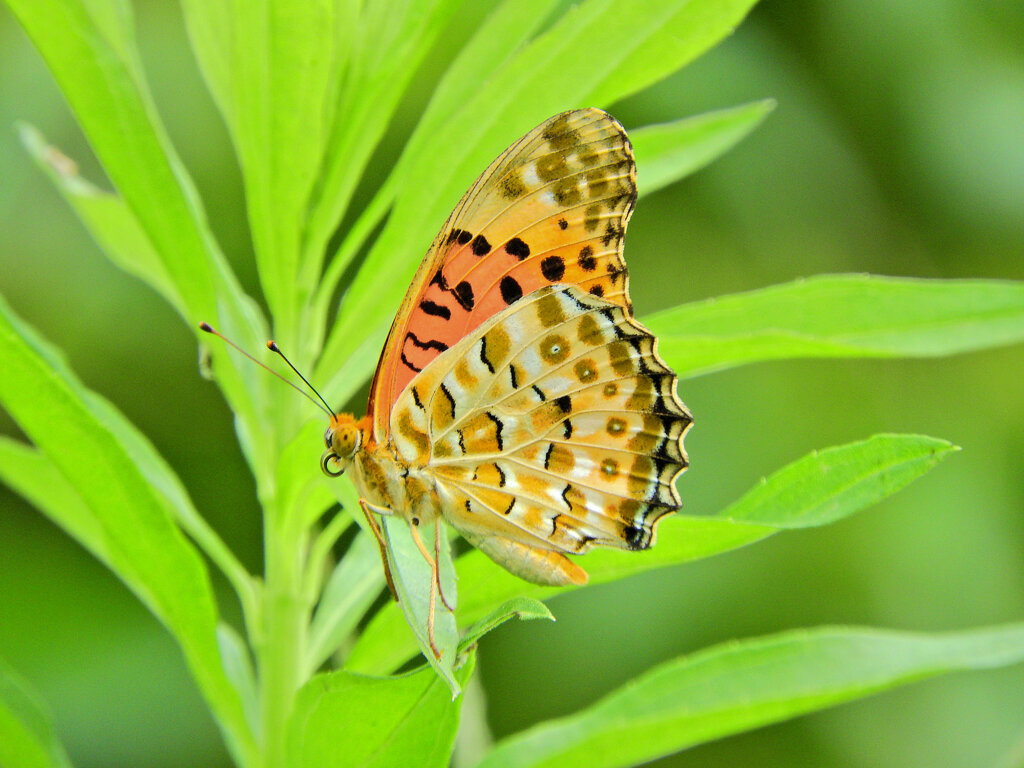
<point x="516" y="398"/>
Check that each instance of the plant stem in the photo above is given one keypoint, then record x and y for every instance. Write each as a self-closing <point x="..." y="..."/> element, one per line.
<point x="285" y="613"/>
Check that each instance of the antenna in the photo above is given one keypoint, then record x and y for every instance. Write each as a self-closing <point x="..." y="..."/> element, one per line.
<point x="204" y="326"/>
<point x="272" y="346"/>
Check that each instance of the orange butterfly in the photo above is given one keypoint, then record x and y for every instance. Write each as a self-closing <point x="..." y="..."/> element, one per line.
<point x="516" y="397"/>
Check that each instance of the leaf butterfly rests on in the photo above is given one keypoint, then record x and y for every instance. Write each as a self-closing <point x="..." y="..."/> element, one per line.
<point x="516" y="398"/>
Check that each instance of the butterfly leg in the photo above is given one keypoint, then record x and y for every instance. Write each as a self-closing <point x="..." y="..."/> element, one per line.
<point x="435" y="581"/>
<point x="375" y="528"/>
<point x="437" y="571"/>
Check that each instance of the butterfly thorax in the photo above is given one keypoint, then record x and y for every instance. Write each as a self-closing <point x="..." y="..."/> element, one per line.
<point x="385" y="480"/>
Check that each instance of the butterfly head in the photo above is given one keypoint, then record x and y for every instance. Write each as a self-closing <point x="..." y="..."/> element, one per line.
<point x="343" y="438"/>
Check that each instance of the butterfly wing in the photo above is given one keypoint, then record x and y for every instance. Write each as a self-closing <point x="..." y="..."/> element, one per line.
<point x="550" y="209"/>
<point x="555" y="426"/>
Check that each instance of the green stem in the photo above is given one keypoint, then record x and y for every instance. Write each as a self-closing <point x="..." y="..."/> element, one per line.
<point x="285" y="615"/>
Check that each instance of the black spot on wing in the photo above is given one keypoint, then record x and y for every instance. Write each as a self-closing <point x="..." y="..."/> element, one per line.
<point x="416" y="398"/>
<point x="407" y="364"/>
<point x="612" y="234"/>
<point x="511" y="291"/>
<point x="587" y="261"/>
<point x="553" y="268"/>
<point x="516" y="247"/>
<point x="564" y="403"/>
<point x="464" y="295"/>
<point x="597" y="290"/>
<point x="480" y="246"/>
<point x="435" y="310"/>
<point x="539" y="392"/>
<point x="565" y="498"/>
<point x="497" y="429"/>
<point x="547" y="454"/>
<point x="460" y="236"/>
<point x="451" y="402"/>
<point x="483" y="354"/>
<point x="513" y="377"/>
<point x="440" y="346"/>
<point x="567" y="429"/>
<point x="563" y="224"/>
<point x="636" y="537"/>
<point x="438" y="280"/>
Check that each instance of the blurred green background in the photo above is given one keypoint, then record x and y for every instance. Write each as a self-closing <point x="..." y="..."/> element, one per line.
<point x="897" y="148"/>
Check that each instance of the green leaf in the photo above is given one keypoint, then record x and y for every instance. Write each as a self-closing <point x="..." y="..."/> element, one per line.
<point x="272" y="68"/>
<point x="815" y="490"/>
<point x="38" y="480"/>
<point x="577" y="62"/>
<point x="666" y="153"/>
<point x="841" y="316"/>
<point x="111" y="224"/>
<point x="828" y="485"/>
<point x="740" y="686"/>
<point x="126" y="518"/>
<point x="27" y="738"/>
<point x="354" y="584"/>
<point x="524" y="608"/>
<point x="239" y="670"/>
<point x="351" y="721"/>
<point x="414" y="587"/>
<point x="32" y="475"/>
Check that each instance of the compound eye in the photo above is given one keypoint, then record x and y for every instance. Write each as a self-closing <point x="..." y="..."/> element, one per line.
<point x="329" y="437"/>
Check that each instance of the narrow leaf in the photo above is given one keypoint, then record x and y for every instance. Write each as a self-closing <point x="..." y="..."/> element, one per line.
<point x="27" y="738"/>
<point x="136" y="535"/>
<point x="415" y="588"/>
<point x="354" y="584"/>
<point x="32" y="475"/>
<point x="343" y="719"/>
<point x="239" y="670"/>
<point x="271" y="66"/>
<point x="816" y="490"/>
<point x="740" y="686"/>
<point x="828" y="485"/>
<point x="666" y="153"/>
<point x="106" y="216"/>
<point x="841" y="316"/>
<point x="517" y="608"/>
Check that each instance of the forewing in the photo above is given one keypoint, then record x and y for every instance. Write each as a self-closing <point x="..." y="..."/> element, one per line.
<point x="555" y="424"/>
<point x="550" y="209"/>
